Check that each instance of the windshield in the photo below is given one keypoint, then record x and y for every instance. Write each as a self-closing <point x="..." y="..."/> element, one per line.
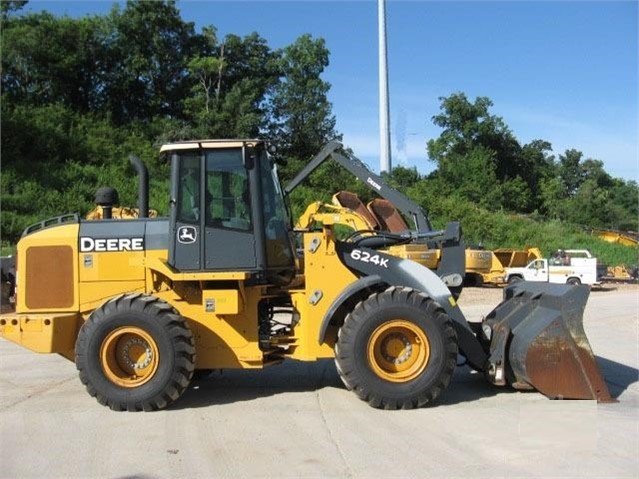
<point x="279" y="251"/>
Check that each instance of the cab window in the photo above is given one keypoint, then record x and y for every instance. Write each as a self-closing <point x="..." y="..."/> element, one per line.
<point x="189" y="189"/>
<point x="227" y="190"/>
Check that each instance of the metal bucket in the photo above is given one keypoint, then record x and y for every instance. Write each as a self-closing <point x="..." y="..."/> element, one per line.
<point x="537" y="341"/>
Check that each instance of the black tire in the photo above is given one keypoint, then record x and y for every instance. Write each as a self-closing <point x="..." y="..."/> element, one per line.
<point x="514" y="279"/>
<point x="135" y="353"/>
<point x="397" y="349"/>
<point x="573" y="281"/>
<point x="473" y="280"/>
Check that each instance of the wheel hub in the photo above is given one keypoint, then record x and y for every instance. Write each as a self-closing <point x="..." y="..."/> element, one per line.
<point x="134" y="350"/>
<point x="398" y="351"/>
<point x="129" y="357"/>
<point x="396" y="348"/>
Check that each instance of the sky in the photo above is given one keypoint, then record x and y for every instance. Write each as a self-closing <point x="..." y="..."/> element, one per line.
<point x="561" y="71"/>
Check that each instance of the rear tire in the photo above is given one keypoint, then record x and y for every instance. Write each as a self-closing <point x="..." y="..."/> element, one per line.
<point x="397" y="349"/>
<point x="515" y="279"/>
<point x="573" y="281"/>
<point x="135" y="353"/>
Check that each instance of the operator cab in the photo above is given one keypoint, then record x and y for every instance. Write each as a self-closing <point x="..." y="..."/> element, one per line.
<point x="227" y="210"/>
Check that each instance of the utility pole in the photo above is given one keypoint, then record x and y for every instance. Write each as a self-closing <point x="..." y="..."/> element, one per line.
<point x="384" y="122"/>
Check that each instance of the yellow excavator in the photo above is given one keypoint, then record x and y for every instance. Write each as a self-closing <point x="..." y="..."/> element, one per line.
<point x="141" y="304"/>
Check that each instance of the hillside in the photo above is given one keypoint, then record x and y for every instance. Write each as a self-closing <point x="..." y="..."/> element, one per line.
<point x="79" y="95"/>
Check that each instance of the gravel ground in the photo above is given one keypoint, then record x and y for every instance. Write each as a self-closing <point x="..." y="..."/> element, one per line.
<point x="492" y="294"/>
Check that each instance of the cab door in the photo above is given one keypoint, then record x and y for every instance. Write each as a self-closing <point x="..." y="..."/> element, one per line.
<point x="185" y="240"/>
<point x="211" y="217"/>
<point x="229" y="240"/>
<point x="537" y="271"/>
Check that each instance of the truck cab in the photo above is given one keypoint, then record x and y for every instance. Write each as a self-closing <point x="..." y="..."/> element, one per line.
<point x="564" y="267"/>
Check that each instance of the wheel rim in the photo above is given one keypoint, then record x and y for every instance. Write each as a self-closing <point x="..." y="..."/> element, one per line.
<point x="398" y="351"/>
<point x="129" y="357"/>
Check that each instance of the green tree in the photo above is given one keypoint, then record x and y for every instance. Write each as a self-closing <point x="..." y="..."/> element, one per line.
<point x="553" y="198"/>
<point x="476" y="153"/>
<point x="301" y="114"/>
<point x="537" y="164"/>
<point x="624" y="196"/>
<point x="401" y="177"/>
<point x="230" y="82"/>
<point x="206" y="71"/>
<point x="302" y="122"/>
<point x="590" y="206"/>
<point x="570" y="171"/>
<point x="68" y="71"/>
<point x="594" y="170"/>
<point x="148" y="49"/>
<point x="7" y="7"/>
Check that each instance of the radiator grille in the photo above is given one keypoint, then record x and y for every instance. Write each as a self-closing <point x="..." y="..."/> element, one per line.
<point x="49" y="277"/>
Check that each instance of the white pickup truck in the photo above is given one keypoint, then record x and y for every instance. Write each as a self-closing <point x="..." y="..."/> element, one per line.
<point x="572" y="266"/>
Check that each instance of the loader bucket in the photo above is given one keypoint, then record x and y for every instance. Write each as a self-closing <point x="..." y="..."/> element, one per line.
<point x="538" y="342"/>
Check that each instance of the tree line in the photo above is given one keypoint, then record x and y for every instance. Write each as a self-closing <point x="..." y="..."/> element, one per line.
<point x="479" y="160"/>
<point x="80" y="94"/>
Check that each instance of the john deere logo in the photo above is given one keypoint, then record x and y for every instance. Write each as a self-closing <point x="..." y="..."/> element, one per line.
<point x="187" y="234"/>
<point x="88" y="244"/>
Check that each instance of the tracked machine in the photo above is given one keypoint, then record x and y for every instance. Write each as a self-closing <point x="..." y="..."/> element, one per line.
<point x="141" y="304"/>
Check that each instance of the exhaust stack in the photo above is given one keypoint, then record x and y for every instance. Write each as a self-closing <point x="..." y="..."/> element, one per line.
<point x="143" y="186"/>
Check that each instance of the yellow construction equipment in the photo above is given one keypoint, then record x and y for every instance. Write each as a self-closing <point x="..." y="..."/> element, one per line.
<point x="621" y="274"/>
<point x="318" y="214"/>
<point x="107" y="199"/>
<point x="119" y="212"/>
<point x="626" y="238"/>
<point x="140" y="304"/>
<point x="503" y="258"/>
<point x="382" y="215"/>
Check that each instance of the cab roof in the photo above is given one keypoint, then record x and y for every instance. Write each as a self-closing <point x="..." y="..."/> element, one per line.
<point x="196" y="144"/>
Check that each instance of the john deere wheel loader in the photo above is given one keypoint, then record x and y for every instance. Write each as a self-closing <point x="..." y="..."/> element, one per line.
<point x="140" y="304"/>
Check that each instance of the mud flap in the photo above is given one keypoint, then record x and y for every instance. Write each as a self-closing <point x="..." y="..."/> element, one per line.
<point x="537" y="341"/>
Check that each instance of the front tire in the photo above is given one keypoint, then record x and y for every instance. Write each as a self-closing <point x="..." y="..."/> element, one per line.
<point x="397" y="349"/>
<point x="135" y="353"/>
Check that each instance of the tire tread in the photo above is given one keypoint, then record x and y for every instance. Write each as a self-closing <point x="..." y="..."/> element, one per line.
<point x="345" y="350"/>
<point x="173" y="324"/>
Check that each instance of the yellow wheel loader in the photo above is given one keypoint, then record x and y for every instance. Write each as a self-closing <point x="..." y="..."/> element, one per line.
<point x="140" y="304"/>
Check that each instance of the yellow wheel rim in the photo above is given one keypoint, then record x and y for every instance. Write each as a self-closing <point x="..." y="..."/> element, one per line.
<point x="398" y="351"/>
<point x="129" y="357"/>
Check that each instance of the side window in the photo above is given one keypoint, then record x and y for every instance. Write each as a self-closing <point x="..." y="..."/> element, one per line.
<point x="227" y="191"/>
<point x="278" y="243"/>
<point x="189" y="190"/>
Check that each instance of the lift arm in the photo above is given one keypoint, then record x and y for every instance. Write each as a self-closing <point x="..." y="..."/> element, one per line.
<point x="334" y="150"/>
<point x="452" y="264"/>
